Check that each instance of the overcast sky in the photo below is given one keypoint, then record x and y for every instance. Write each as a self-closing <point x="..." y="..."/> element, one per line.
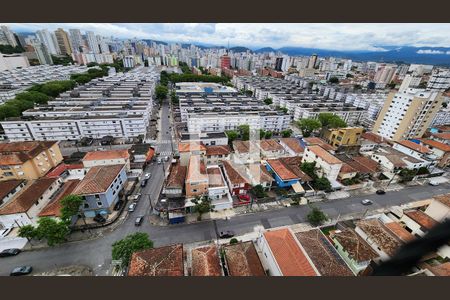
<point x="324" y="36"/>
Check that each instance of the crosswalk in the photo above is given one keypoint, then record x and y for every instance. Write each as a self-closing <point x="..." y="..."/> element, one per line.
<point x="165" y="153"/>
<point x="164" y="142"/>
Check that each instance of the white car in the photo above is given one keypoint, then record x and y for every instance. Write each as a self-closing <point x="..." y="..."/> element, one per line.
<point x="366" y="202"/>
<point x="132" y="207"/>
<point x="433" y="183"/>
<point x="148" y="175"/>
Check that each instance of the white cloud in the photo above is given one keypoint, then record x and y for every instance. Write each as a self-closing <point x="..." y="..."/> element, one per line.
<point x="340" y="36"/>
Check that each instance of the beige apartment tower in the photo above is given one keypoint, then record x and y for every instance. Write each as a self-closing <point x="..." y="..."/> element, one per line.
<point x="63" y="41"/>
<point x="407" y="114"/>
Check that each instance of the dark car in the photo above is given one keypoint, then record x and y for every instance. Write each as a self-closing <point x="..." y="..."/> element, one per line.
<point x="9" y="252"/>
<point x="138" y="221"/>
<point x="23" y="270"/>
<point x="118" y="205"/>
<point x="226" y="234"/>
<point x="381" y="192"/>
<point x="99" y="219"/>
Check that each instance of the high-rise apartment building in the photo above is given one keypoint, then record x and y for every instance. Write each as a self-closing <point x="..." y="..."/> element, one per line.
<point x="439" y="80"/>
<point x="312" y="61"/>
<point x="278" y="63"/>
<point x="42" y="53"/>
<point x="7" y="37"/>
<point x="92" y="42"/>
<point x="49" y="40"/>
<point x="385" y="74"/>
<point x="225" y="61"/>
<point x="76" y="40"/>
<point x="410" y="81"/>
<point x="407" y="114"/>
<point x="63" y="41"/>
<point x="103" y="46"/>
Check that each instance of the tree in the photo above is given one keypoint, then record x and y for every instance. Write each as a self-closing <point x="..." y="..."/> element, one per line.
<point x="33" y="96"/>
<point x="92" y="64"/>
<point x="333" y="80"/>
<point x="286" y="133"/>
<point x="232" y="135"/>
<point x="406" y="175"/>
<point x="62" y="60"/>
<point x="174" y="97"/>
<point x="244" y="131"/>
<point x="233" y="241"/>
<point x="329" y="120"/>
<point x="444" y="104"/>
<point x="248" y="93"/>
<point x="124" y="248"/>
<point x="268" y="101"/>
<point x="28" y="232"/>
<point x="423" y="171"/>
<point x="55" y="232"/>
<point x="70" y="206"/>
<point x="392" y="85"/>
<point x="9" y="110"/>
<point x="161" y="92"/>
<point x="258" y="191"/>
<point x="321" y="184"/>
<point x="308" y="125"/>
<point x="268" y="134"/>
<point x="202" y="206"/>
<point x="309" y="168"/>
<point x="349" y="75"/>
<point x="316" y="217"/>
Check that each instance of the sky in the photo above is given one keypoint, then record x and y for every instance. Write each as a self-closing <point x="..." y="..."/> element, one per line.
<point x="339" y="36"/>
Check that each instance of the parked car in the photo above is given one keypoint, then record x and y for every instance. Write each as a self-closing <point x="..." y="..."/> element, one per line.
<point x="118" y="205"/>
<point x="99" y="219"/>
<point x="144" y="182"/>
<point x="380" y="192"/>
<point x="132" y="207"/>
<point x="226" y="234"/>
<point x="23" y="270"/>
<point x="135" y="197"/>
<point x="159" y="161"/>
<point x="433" y="183"/>
<point x="139" y="221"/>
<point x="9" y="252"/>
<point x="147" y="175"/>
<point x="244" y="197"/>
<point x="166" y="158"/>
<point x="366" y="202"/>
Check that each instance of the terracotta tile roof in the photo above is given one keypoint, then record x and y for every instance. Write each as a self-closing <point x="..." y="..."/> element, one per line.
<point x="378" y="139"/>
<point x="109" y="154"/>
<point x="218" y="150"/>
<point x="323" y="154"/>
<point x="364" y="164"/>
<point x="7" y="186"/>
<point x="379" y="234"/>
<point x="196" y="169"/>
<point x="17" y="153"/>
<point x="399" y="231"/>
<point x="354" y="245"/>
<point x="233" y="175"/>
<point x="53" y="208"/>
<point x="270" y="145"/>
<point x="293" y="144"/>
<point x="346" y="168"/>
<point x="323" y="255"/>
<point x="241" y="146"/>
<point x="444" y="199"/>
<point x="59" y="169"/>
<point x="315" y="141"/>
<point x="421" y="218"/>
<point x="27" y="197"/>
<point x="242" y="260"/>
<point x="191" y="146"/>
<point x="259" y="173"/>
<point x="215" y="177"/>
<point x="414" y="146"/>
<point x="177" y="176"/>
<point x="162" y="261"/>
<point x="443" y="135"/>
<point x="98" y="179"/>
<point x="441" y="270"/>
<point x="436" y="144"/>
<point x="396" y="157"/>
<point x="290" y="258"/>
<point x="288" y="168"/>
<point x="206" y="262"/>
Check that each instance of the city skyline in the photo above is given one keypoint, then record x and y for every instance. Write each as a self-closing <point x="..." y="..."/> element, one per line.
<point x="364" y="36"/>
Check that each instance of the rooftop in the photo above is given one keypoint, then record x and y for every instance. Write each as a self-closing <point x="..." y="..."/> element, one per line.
<point x="177" y="176"/>
<point x="399" y="231"/>
<point x="16" y="153"/>
<point x="242" y="260"/>
<point x="290" y="258"/>
<point x="270" y="145"/>
<point x="444" y="199"/>
<point x="436" y="144"/>
<point x="218" y="150"/>
<point x="206" y="262"/>
<point x="8" y="186"/>
<point x="421" y="218"/>
<point x="233" y="173"/>
<point x="413" y="146"/>
<point x="98" y="179"/>
<point x="109" y="154"/>
<point x="354" y="245"/>
<point x="196" y="170"/>
<point x="215" y="177"/>
<point x="241" y="146"/>
<point x="375" y="230"/>
<point x="443" y="135"/>
<point x="162" y="261"/>
<point x="53" y="208"/>
<point x="288" y="168"/>
<point x="259" y="173"/>
<point x="324" y="155"/>
<point x="293" y="144"/>
<point x="315" y="141"/>
<point x="191" y="146"/>
<point x="323" y="255"/>
<point x="378" y="139"/>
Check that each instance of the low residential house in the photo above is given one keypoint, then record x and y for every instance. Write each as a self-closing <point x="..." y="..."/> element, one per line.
<point x="270" y="148"/>
<point x="371" y="141"/>
<point x="315" y="141"/>
<point x="24" y="208"/>
<point x="443" y="137"/>
<point x="175" y="182"/>
<point x="415" y="150"/>
<point x="53" y="208"/>
<point x="242" y="260"/>
<point x="322" y="253"/>
<point x="205" y="261"/>
<point x="9" y="189"/>
<point x="101" y="189"/>
<point x="378" y="237"/>
<point x="327" y="164"/>
<point x="417" y="222"/>
<point x="186" y="150"/>
<point x="393" y="160"/>
<point x="67" y="171"/>
<point x="259" y="175"/>
<point x="440" y="150"/>
<point x="207" y="138"/>
<point x="236" y="178"/>
<point x="217" y="189"/>
<point x="162" y="261"/>
<point x="196" y="178"/>
<point x="347" y="172"/>
<point x="283" y="255"/>
<point x="364" y="166"/>
<point x="292" y="146"/>
<point x="28" y="160"/>
<point x="439" y="208"/>
<point x="216" y="154"/>
<point x="353" y="249"/>
<point x="246" y="152"/>
<point x="398" y="230"/>
<point x="107" y="158"/>
<point x="287" y="173"/>
<point x="140" y="155"/>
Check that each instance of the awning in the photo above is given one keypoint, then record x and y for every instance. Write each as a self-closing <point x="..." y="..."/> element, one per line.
<point x="297" y="187"/>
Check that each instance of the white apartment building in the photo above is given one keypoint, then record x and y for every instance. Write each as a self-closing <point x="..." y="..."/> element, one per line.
<point x="442" y="117"/>
<point x="327" y="165"/>
<point x="49" y="40"/>
<point x="439" y="80"/>
<point x="13" y="61"/>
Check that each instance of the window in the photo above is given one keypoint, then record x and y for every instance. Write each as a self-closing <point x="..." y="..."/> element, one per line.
<point x="86" y="205"/>
<point x="99" y="203"/>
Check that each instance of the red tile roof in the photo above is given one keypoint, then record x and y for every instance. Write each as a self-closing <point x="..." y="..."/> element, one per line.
<point x="191" y="146"/>
<point x="98" y="179"/>
<point x="163" y="261"/>
<point x="441" y="270"/>
<point x="444" y="199"/>
<point x="436" y="144"/>
<point x="315" y="141"/>
<point x="399" y="231"/>
<point x="53" y="208"/>
<point x="443" y="135"/>
<point x="290" y="258"/>
<point x="7" y="186"/>
<point x="233" y="174"/>
<point x="288" y="168"/>
<point x="241" y="146"/>
<point x="374" y="137"/>
<point x="324" y="155"/>
<point x="218" y="150"/>
<point x="375" y="230"/>
<point x="59" y="169"/>
<point x="109" y="154"/>
<point x="177" y="176"/>
<point x="270" y="145"/>
<point x="421" y="218"/>
<point x="242" y="260"/>
<point x="293" y="144"/>
<point x="206" y="262"/>
<point x="27" y="197"/>
<point x="413" y="146"/>
<point x="354" y="245"/>
<point x="17" y="153"/>
<point x="259" y="173"/>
